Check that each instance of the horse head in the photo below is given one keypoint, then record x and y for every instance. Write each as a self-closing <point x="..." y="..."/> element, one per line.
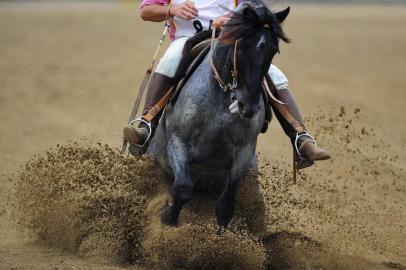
<point x="254" y="32"/>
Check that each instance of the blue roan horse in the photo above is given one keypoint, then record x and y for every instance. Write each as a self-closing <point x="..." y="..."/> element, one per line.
<point x="199" y="141"/>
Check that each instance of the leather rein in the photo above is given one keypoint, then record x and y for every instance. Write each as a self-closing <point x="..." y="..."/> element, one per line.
<point x="234" y="73"/>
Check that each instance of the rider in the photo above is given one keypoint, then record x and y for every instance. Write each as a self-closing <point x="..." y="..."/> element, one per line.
<point x="189" y="18"/>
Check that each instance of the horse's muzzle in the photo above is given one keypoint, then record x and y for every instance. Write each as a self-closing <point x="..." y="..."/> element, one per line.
<point x="234" y="107"/>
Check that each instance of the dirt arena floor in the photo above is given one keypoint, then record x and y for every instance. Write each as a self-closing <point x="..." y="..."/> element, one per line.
<point x="70" y="72"/>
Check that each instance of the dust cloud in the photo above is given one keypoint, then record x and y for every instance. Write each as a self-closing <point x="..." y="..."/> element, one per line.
<point x="95" y="202"/>
<point x="92" y="201"/>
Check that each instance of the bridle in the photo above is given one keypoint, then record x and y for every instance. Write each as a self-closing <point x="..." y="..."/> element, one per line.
<point x="234" y="73"/>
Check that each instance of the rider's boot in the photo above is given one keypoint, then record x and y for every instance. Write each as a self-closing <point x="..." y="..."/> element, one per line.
<point x="158" y="86"/>
<point x="306" y="146"/>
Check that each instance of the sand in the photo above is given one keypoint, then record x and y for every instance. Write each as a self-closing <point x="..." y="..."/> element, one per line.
<point x="71" y="71"/>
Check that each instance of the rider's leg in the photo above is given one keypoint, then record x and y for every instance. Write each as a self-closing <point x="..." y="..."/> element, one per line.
<point x="160" y="83"/>
<point x="307" y="146"/>
<point x="157" y="88"/>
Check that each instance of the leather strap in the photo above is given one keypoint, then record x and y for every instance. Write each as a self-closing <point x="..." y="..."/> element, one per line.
<point x="222" y="84"/>
<point x="281" y="107"/>
<point x="159" y="106"/>
<point x="174" y="91"/>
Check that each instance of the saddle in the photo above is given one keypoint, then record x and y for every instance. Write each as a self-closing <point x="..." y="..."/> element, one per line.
<point x="194" y="52"/>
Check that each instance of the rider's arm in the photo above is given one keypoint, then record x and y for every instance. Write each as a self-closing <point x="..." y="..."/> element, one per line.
<point x="222" y="20"/>
<point x="159" y="13"/>
<point x="154" y="13"/>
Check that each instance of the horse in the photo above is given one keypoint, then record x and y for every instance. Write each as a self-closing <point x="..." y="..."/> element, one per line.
<point x="198" y="141"/>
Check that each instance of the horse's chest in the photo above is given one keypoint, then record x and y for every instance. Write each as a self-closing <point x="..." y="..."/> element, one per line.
<point x="215" y="125"/>
<point x="219" y="140"/>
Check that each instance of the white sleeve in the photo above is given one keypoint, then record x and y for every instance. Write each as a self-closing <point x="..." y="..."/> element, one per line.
<point x="278" y="78"/>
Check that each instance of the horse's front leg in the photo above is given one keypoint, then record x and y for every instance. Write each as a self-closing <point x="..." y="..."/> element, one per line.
<point x="225" y="204"/>
<point x="182" y="188"/>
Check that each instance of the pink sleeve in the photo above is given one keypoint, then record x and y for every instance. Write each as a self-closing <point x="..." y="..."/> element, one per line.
<point x="154" y="2"/>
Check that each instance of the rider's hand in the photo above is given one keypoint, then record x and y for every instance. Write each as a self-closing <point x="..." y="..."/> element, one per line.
<point x="185" y="11"/>
<point x="221" y="21"/>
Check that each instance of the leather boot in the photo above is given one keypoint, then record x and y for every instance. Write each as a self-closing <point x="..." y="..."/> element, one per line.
<point x="306" y="145"/>
<point x="158" y="86"/>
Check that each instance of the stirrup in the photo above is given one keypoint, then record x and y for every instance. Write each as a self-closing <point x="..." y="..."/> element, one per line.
<point x="298" y="136"/>
<point x="142" y="120"/>
<point x="300" y="162"/>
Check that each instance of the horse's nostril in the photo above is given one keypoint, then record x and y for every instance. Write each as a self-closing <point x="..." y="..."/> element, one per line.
<point x="247" y="111"/>
<point x="242" y="107"/>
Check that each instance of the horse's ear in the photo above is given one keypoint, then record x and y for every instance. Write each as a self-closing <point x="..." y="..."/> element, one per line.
<point x="281" y="15"/>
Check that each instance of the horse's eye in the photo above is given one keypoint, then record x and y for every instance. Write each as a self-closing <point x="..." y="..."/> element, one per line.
<point x="261" y="46"/>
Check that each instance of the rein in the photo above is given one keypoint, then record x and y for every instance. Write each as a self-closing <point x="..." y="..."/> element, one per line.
<point x="225" y="86"/>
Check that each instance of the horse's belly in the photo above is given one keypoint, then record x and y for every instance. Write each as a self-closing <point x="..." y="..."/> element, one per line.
<point x="211" y="164"/>
<point x="207" y="176"/>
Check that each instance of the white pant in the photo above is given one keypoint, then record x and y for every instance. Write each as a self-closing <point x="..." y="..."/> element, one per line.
<point x="169" y="63"/>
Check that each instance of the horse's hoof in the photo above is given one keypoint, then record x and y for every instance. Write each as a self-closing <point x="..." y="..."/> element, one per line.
<point x="223" y="222"/>
<point x="224" y="216"/>
<point x="221" y="230"/>
<point x="136" y="150"/>
<point x="167" y="217"/>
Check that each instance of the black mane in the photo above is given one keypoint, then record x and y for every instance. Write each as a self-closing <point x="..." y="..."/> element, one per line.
<point x="249" y="18"/>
